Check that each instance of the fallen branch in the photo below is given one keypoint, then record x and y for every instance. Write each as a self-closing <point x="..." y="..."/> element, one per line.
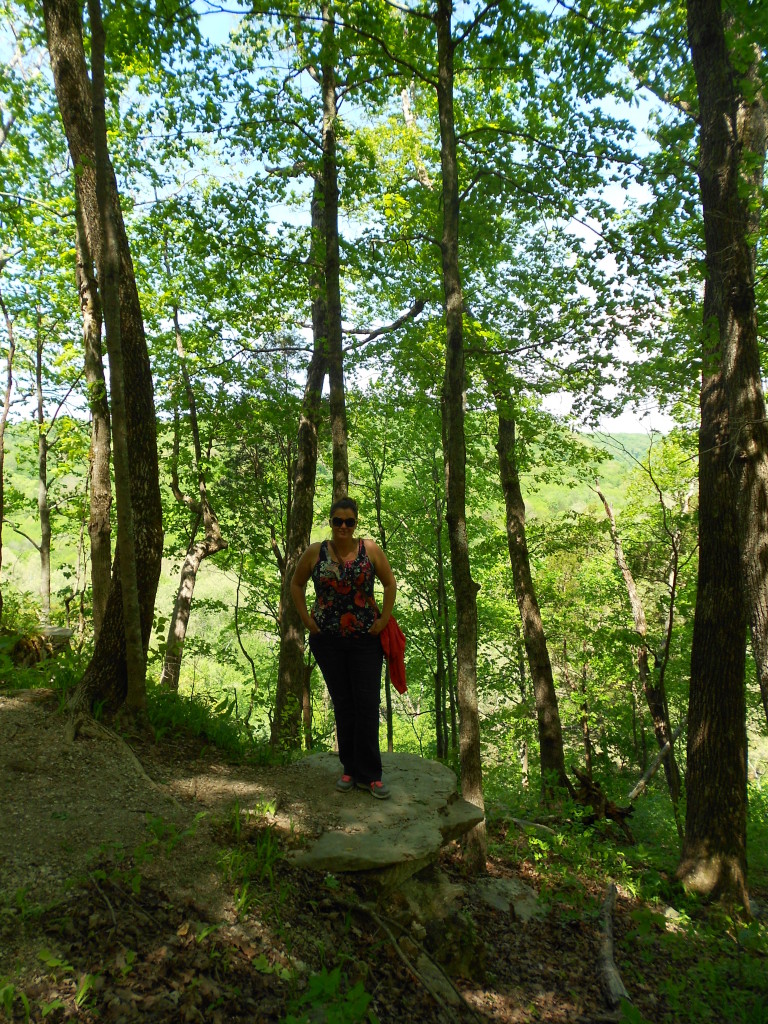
<point x="523" y="825"/>
<point x="640" y="787"/>
<point x="608" y="974"/>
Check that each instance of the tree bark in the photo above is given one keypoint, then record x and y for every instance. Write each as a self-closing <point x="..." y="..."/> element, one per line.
<point x="109" y="274"/>
<point x="334" y="337"/>
<point x="105" y="678"/>
<point x="443" y="627"/>
<point x="291" y="672"/>
<point x="43" y="509"/>
<point x="733" y="467"/>
<point x="734" y="127"/>
<point x="655" y="694"/>
<point x="453" y="397"/>
<point x="212" y="541"/>
<point x="553" y="774"/>
<point x="99" y="522"/>
<point x="3" y="421"/>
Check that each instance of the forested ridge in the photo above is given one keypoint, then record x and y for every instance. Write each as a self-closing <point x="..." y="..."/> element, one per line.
<point x="253" y="260"/>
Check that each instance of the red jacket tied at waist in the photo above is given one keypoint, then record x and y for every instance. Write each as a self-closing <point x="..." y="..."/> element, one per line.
<point x="393" y="645"/>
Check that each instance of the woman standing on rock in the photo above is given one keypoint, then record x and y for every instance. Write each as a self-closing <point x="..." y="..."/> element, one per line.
<point x="344" y="629"/>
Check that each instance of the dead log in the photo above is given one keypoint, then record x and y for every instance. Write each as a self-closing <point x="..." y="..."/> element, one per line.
<point x="608" y="974"/>
<point x="589" y="794"/>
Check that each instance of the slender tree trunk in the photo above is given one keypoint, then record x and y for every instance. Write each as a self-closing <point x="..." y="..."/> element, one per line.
<point x="334" y="336"/>
<point x="291" y="672"/>
<point x="99" y="523"/>
<point x="106" y="676"/>
<point x="732" y="459"/>
<point x="553" y="774"/>
<point x="521" y="661"/>
<point x="377" y="472"/>
<point x="443" y="628"/>
<point x="43" y="509"/>
<point x="465" y="588"/>
<point x="585" y="733"/>
<point x="4" y="420"/>
<point x="655" y="694"/>
<point x="212" y="541"/>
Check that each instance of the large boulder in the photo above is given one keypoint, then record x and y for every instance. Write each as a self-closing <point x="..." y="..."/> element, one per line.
<point x="391" y="839"/>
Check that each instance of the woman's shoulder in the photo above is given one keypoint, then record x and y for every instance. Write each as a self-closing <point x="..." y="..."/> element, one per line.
<point x="312" y="553"/>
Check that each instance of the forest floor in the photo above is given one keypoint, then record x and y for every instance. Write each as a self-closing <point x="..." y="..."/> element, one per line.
<point x="133" y="888"/>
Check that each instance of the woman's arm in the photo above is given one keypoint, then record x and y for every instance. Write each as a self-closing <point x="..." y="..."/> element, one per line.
<point x="303" y="571"/>
<point x="384" y="573"/>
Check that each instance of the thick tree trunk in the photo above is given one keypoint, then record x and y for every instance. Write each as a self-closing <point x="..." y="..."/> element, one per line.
<point x="3" y="421"/>
<point x="106" y="676"/>
<point x="733" y="449"/>
<point x="109" y="274"/>
<point x="731" y="163"/>
<point x="714" y="851"/>
<point x="655" y="693"/>
<point x="465" y="588"/>
<point x="99" y="522"/>
<point x="553" y="774"/>
<point x="43" y="510"/>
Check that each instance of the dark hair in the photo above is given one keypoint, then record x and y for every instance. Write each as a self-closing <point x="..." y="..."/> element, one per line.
<point x="345" y="503"/>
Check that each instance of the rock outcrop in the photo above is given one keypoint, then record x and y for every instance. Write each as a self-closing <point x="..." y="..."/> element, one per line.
<point x="392" y="839"/>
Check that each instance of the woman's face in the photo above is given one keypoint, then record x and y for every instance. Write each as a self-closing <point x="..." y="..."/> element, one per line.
<point x="343" y="523"/>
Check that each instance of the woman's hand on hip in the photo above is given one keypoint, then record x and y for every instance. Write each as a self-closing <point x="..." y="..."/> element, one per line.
<point x="376" y="628"/>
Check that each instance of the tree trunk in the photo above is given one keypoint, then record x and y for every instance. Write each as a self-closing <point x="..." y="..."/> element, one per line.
<point x="553" y="774"/>
<point x="585" y="734"/>
<point x="655" y="695"/>
<point x="109" y="275"/>
<point x="334" y="336"/>
<point x="105" y="677"/>
<point x="714" y="850"/>
<point x="291" y="672"/>
<point x="3" y="421"/>
<point x="465" y="589"/>
<point x="177" y="629"/>
<point x="43" y="509"/>
<point x="443" y="627"/>
<point x="732" y="459"/>
<point x="99" y="523"/>
<point x="733" y="109"/>
<point x="212" y="541"/>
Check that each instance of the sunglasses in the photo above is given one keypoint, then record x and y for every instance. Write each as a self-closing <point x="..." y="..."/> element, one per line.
<point x="338" y="521"/>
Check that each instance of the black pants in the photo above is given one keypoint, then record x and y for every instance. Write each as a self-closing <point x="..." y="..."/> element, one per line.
<point x="351" y="667"/>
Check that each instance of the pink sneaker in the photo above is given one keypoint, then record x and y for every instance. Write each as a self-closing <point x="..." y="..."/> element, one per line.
<point x="378" y="789"/>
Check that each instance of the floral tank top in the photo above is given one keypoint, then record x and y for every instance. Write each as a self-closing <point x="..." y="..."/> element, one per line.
<point x="344" y="601"/>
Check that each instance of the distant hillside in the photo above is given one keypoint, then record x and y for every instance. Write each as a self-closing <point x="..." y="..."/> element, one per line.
<point x="574" y="492"/>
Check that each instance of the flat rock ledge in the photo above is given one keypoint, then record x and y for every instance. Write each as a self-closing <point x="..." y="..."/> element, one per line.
<point x="391" y="839"/>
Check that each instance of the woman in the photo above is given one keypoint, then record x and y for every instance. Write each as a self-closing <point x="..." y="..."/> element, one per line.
<point x="344" y="632"/>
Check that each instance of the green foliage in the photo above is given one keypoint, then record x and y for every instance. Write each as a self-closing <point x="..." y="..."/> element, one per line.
<point x="329" y="997"/>
<point x="249" y="863"/>
<point x="8" y="997"/>
<point x="220" y="721"/>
